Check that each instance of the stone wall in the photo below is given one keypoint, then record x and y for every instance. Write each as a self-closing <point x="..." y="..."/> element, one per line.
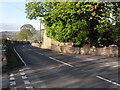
<point x="36" y="45"/>
<point x="3" y="58"/>
<point x="112" y="51"/>
<point x="48" y="43"/>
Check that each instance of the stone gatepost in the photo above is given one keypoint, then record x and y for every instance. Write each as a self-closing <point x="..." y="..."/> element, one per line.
<point x="46" y="42"/>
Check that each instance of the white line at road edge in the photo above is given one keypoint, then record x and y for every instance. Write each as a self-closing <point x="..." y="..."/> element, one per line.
<point x="20" y="57"/>
<point x="108" y="80"/>
<point x="61" y="61"/>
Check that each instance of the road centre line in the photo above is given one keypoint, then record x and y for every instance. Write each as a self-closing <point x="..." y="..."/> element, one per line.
<point x="20" y="57"/>
<point x="57" y="60"/>
<point x="39" y="53"/>
<point x="27" y="68"/>
<point x="61" y="62"/>
<point x="108" y="80"/>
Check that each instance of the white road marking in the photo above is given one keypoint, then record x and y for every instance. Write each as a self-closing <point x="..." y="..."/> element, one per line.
<point x="22" y="73"/>
<point x="29" y="87"/>
<point x="61" y="62"/>
<point x="108" y="80"/>
<point x="20" y="57"/>
<point x="11" y="75"/>
<point x="24" y="77"/>
<point x="24" y="69"/>
<point x="23" y="45"/>
<point x="26" y="81"/>
<point x="21" y="70"/>
<point x="27" y="68"/>
<point x="39" y="53"/>
<point x="12" y="83"/>
<point x="12" y="78"/>
<point x="42" y="54"/>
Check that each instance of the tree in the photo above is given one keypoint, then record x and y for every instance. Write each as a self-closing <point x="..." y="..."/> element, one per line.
<point x="26" y="33"/>
<point x="110" y="32"/>
<point x="28" y="27"/>
<point x="35" y="10"/>
<point x="78" y="22"/>
<point x="116" y="12"/>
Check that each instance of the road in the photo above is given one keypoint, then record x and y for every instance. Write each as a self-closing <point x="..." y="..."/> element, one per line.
<point x="48" y="69"/>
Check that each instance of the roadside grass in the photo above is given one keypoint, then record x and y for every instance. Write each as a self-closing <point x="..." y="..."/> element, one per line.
<point x="13" y="61"/>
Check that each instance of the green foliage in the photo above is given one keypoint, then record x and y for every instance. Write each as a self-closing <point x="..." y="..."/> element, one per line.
<point x="78" y="22"/>
<point x="26" y="33"/>
<point x="34" y="10"/>
<point x="109" y="34"/>
<point x="116" y="12"/>
<point x="64" y="23"/>
<point x="28" y="27"/>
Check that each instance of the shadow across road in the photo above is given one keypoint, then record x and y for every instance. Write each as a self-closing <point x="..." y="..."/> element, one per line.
<point x="48" y="73"/>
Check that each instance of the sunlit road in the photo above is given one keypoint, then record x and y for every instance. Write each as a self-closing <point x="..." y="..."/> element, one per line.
<point x="48" y="69"/>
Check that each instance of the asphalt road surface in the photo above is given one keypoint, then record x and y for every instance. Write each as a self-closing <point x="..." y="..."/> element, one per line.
<point x="48" y="69"/>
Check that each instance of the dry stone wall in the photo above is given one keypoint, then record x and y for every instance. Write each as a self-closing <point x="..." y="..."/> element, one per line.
<point x="112" y="51"/>
<point x="3" y="58"/>
<point x="48" y="43"/>
<point x="36" y="45"/>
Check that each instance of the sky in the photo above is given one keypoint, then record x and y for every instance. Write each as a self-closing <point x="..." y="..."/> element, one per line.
<point x="13" y="16"/>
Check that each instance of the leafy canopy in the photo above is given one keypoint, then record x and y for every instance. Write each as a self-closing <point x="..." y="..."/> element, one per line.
<point x="78" y="22"/>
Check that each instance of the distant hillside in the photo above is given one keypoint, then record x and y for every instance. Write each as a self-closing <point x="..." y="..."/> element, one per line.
<point x="8" y="34"/>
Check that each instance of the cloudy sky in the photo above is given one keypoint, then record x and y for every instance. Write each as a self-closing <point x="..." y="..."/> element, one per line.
<point x="13" y="16"/>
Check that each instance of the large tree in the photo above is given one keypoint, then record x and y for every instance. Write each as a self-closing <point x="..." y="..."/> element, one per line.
<point x="26" y="32"/>
<point x="78" y="22"/>
<point x="28" y="27"/>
